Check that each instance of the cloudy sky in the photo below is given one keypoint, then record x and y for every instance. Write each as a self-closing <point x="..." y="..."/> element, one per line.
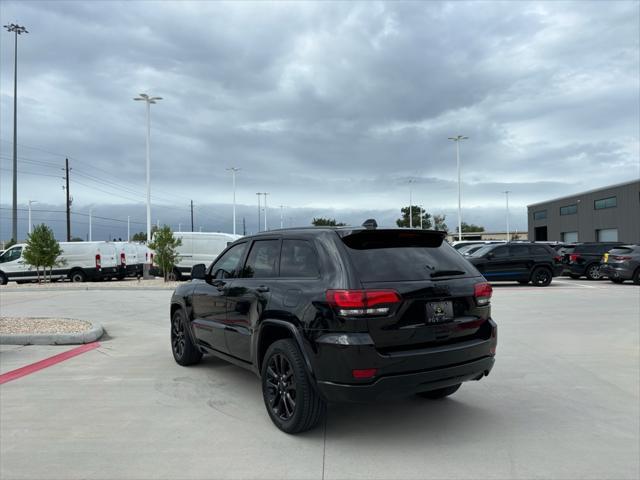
<point x="331" y="107"/>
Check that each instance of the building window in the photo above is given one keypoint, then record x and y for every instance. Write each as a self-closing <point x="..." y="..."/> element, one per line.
<point x="570" y="237"/>
<point x="605" y="203"/>
<point x="607" y="235"/>
<point x="569" y="209"/>
<point x="540" y="215"/>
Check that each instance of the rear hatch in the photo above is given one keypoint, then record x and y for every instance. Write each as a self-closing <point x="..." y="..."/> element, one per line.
<point x="438" y="289"/>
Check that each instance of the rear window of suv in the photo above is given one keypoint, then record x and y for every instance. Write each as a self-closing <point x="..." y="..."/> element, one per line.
<point x="396" y="255"/>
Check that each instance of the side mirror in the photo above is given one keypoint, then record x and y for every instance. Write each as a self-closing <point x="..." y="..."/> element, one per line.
<point x="198" y="272"/>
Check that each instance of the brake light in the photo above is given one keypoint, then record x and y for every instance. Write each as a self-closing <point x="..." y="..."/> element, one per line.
<point x="362" y="302"/>
<point x="558" y="258"/>
<point x="151" y="259"/>
<point x="573" y="257"/>
<point x="98" y="261"/>
<point x="364" y="373"/>
<point x="482" y="292"/>
<point x="123" y="259"/>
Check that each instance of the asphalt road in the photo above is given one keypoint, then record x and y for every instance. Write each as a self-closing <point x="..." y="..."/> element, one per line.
<point x="562" y="401"/>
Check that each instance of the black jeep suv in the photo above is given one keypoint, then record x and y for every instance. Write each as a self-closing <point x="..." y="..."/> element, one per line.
<point x="585" y="259"/>
<point x="346" y="314"/>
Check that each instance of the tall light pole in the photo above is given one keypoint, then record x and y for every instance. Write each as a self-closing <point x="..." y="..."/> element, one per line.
<point x="259" y="214"/>
<point x="233" y="171"/>
<point x="506" y="193"/>
<point x="421" y="215"/>
<point x="17" y="30"/>
<point x="410" y="204"/>
<point x="282" y="216"/>
<point x="148" y="101"/>
<point x="265" y="211"/>
<point x="457" y="139"/>
<point x="128" y="228"/>
<point x="30" y="224"/>
<point x="91" y="224"/>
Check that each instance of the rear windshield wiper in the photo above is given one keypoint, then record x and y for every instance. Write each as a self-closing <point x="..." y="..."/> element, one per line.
<point x="446" y="273"/>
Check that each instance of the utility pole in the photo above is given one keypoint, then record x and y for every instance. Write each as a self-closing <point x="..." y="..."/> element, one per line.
<point x="192" y="215"/>
<point x="90" y="224"/>
<point x="234" y="170"/>
<point x="17" y="30"/>
<point x="507" y="192"/>
<point x="66" y="168"/>
<point x="265" y="211"/>
<point x="244" y="227"/>
<point x="259" y="215"/>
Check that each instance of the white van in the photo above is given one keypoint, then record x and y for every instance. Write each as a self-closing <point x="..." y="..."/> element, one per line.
<point x="79" y="262"/>
<point x="199" y="247"/>
<point x="127" y="259"/>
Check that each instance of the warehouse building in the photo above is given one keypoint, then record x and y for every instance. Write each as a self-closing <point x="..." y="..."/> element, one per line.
<point x="607" y="214"/>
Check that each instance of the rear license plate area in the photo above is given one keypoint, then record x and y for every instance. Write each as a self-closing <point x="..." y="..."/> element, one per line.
<point x="439" y="312"/>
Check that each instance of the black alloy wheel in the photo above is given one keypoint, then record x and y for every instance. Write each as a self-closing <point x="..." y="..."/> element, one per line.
<point x="281" y="387"/>
<point x="184" y="351"/>
<point x="541" y="277"/>
<point x="593" y="272"/>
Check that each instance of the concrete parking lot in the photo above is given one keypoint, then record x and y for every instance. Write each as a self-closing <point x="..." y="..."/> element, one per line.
<point x="562" y="401"/>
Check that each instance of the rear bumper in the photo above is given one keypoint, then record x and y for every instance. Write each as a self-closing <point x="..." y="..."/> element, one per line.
<point x="612" y="271"/>
<point x="407" y="384"/>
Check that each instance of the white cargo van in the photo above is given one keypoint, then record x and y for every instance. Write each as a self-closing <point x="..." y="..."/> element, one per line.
<point x="199" y="247"/>
<point x="127" y="259"/>
<point x="79" y="262"/>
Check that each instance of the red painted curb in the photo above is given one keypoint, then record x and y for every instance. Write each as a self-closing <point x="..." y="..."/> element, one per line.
<point x="47" y="362"/>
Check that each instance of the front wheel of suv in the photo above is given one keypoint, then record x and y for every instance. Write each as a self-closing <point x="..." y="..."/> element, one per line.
<point x="440" y="393"/>
<point x="184" y="351"/>
<point x="541" y="276"/>
<point x="291" y="400"/>
<point x="593" y="272"/>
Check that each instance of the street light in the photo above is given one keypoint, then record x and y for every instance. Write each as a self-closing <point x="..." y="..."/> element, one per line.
<point x="30" y="225"/>
<point x="91" y="224"/>
<point x="233" y="171"/>
<point x="265" y="211"/>
<point x="282" y="207"/>
<point x="507" y="192"/>
<point x="259" y="214"/>
<point x="148" y="100"/>
<point x="17" y="30"/>
<point x="457" y="139"/>
<point x="410" y="205"/>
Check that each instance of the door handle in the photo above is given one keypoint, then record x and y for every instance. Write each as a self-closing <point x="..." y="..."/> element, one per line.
<point x="262" y="288"/>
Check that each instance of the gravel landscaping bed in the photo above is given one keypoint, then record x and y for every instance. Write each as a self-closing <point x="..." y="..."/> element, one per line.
<point x="156" y="283"/>
<point x="38" y="326"/>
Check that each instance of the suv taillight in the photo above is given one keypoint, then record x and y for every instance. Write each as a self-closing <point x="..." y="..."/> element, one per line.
<point x="98" y="261"/>
<point x="573" y="257"/>
<point x="123" y="259"/>
<point x="482" y="292"/>
<point x="362" y="302"/>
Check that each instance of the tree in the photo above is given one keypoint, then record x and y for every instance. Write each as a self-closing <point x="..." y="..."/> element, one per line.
<point x="142" y="236"/>
<point x="403" y="221"/>
<point x="438" y="223"/>
<point x="326" y="222"/>
<point x="470" y="227"/>
<point x="164" y="245"/>
<point x="42" y="250"/>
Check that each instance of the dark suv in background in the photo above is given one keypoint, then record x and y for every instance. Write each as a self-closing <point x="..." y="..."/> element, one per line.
<point x="585" y="259"/>
<point x="522" y="262"/>
<point x="347" y="314"/>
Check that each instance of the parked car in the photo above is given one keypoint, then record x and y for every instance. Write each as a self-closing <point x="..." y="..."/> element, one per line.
<point x="564" y="251"/>
<point x="470" y="250"/>
<point x="458" y="244"/>
<point x="79" y="262"/>
<point x="521" y="262"/>
<point x="585" y="259"/>
<point x="622" y="263"/>
<point x="199" y="247"/>
<point x="338" y="314"/>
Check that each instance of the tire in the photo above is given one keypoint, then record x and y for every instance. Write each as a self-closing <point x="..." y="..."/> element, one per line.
<point x="617" y="280"/>
<point x="3" y="279"/>
<point x="574" y="276"/>
<point x="78" y="276"/>
<point x="184" y="351"/>
<point x="541" y="276"/>
<point x="284" y="372"/>
<point x="593" y="272"/>
<point x="636" y="276"/>
<point x="523" y="282"/>
<point x="440" y="393"/>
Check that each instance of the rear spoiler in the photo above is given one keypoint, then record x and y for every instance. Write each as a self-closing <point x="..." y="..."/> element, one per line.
<point x="367" y="239"/>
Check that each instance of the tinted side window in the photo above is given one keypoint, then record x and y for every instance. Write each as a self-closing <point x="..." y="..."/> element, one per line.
<point x="298" y="259"/>
<point x="263" y="259"/>
<point x="539" y="250"/>
<point x="500" y="252"/>
<point x="519" y="250"/>
<point x="227" y="265"/>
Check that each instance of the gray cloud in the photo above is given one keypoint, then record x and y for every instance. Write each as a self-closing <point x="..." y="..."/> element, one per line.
<point x="331" y="105"/>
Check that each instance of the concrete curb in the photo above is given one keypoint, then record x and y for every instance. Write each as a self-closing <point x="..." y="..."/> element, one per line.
<point x="91" y="335"/>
